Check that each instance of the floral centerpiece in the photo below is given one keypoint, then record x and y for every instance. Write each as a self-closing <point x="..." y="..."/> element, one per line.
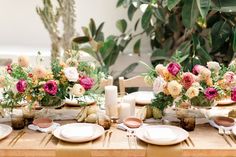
<point x="48" y="87"/>
<point x="199" y="88"/>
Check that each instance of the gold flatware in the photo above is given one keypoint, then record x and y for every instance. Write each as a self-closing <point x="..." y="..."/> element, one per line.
<point x="105" y="136"/>
<point x="132" y="141"/>
<point x="186" y="142"/>
<point x="227" y="132"/>
<point x="191" y="141"/>
<point x="109" y="138"/>
<point x="50" y="138"/>
<point x="18" y="134"/>
<point x="45" y="136"/>
<point x="222" y="132"/>
<point x="226" y="139"/>
<point x="18" y="138"/>
<point x="128" y="137"/>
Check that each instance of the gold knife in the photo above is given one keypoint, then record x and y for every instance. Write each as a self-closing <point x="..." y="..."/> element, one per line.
<point x="18" y="138"/>
<point x="20" y="132"/>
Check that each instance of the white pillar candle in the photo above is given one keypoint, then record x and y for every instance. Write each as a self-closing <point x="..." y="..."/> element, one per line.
<point x="124" y="111"/>
<point x="111" y="105"/>
<point x="131" y="100"/>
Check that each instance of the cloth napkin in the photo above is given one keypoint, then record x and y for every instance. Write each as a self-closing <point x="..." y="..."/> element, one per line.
<point x="65" y="149"/>
<point x="163" y="151"/>
<point x="46" y="130"/>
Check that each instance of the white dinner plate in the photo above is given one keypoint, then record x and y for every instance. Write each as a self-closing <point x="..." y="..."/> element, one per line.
<point x="179" y="134"/>
<point x="234" y="131"/>
<point x="60" y="132"/>
<point x="5" y="130"/>
<point x="143" y="97"/>
<point x="225" y="102"/>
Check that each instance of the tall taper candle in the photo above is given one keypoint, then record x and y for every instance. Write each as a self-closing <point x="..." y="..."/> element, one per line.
<point x="111" y="105"/>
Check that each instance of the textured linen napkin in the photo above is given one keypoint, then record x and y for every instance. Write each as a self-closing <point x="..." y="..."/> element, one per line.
<point x="163" y="151"/>
<point x="65" y="149"/>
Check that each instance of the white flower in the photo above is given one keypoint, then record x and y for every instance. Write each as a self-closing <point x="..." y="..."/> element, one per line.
<point x="159" y="69"/>
<point x="71" y="74"/>
<point x="158" y="85"/>
<point x="77" y="90"/>
<point x="215" y="66"/>
<point x="174" y="88"/>
<point x="192" y="92"/>
<point x="204" y="74"/>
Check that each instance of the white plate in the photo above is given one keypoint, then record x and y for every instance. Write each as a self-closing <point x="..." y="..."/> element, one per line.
<point x="180" y="134"/>
<point x="212" y="123"/>
<point x="143" y="97"/>
<point x="98" y="131"/>
<point x="225" y="102"/>
<point x="234" y="131"/>
<point x="5" y="130"/>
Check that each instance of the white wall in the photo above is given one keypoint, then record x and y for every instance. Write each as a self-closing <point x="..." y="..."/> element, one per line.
<point x="21" y="30"/>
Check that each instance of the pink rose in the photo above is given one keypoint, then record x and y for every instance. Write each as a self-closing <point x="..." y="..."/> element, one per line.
<point x="21" y="86"/>
<point x="9" y="69"/>
<point x="233" y="94"/>
<point x="86" y="82"/>
<point x="187" y="80"/>
<point x="50" y="87"/>
<point x="196" y="69"/>
<point x="229" y="77"/>
<point x="174" y="68"/>
<point x="210" y="93"/>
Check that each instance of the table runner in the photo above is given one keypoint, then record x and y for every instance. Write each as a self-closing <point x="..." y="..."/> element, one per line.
<point x="163" y="151"/>
<point x="65" y="149"/>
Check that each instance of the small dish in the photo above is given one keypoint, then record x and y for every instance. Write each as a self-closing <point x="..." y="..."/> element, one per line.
<point x="224" y="121"/>
<point x="133" y="122"/>
<point x="43" y="122"/>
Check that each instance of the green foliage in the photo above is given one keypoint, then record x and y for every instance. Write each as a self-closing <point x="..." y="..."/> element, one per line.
<point x="201" y="101"/>
<point x="162" y="101"/>
<point x="202" y="30"/>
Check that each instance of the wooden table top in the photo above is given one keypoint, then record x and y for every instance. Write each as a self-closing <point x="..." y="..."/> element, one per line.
<point x="206" y="139"/>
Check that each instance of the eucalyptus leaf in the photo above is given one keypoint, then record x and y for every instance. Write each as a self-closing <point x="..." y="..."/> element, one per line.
<point x="92" y="27"/>
<point x="81" y="39"/>
<point x="119" y="3"/>
<point x="136" y="24"/>
<point x="128" y="69"/>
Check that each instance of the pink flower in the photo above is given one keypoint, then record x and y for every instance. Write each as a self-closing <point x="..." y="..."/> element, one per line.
<point x="196" y="69"/>
<point x="86" y="82"/>
<point x="50" y="87"/>
<point x="233" y="94"/>
<point x="21" y="86"/>
<point x="9" y="69"/>
<point x="187" y="80"/>
<point x="210" y="93"/>
<point x="229" y="77"/>
<point x="174" y="68"/>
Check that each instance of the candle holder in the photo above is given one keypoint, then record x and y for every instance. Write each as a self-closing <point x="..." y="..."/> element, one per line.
<point x="188" y="123"/>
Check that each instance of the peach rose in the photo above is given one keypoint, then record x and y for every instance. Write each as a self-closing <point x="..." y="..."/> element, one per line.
<point x="23" y="61"/>
<point x="39" y="72"/>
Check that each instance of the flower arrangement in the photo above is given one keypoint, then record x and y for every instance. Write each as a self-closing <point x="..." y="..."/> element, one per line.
<point x="48" y="87"/>
<point x="200" y="88"/>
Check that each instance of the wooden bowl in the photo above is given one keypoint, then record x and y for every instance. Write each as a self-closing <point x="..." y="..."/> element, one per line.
<point x="224" y="121"/>
<point x="43" y="122"/>
<point x="132" y="122"/>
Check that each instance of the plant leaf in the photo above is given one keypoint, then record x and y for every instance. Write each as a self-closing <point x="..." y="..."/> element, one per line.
<point x="136" y="24"/>
<point x="121" y="25"/>
<point x="81" y="39"/>
<point x="234" y="40"/>
<point x="172" y="3"/>
<point x="128" y="69"/>
<point x="99" y="34"/>
<point x="204" y="7"/>
<point x="132" y="9"/>
<point x="86" y="31"/>
<point x="145" y="21"/>
<point x="220" y="32"/>
<point x="92" y="27"/>
<point x="136" y="47"/>
<point x="119" y="3"/>
<point x="189" y="13"/>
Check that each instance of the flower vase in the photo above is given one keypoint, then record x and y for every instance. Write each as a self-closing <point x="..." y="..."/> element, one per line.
<point x="17" y="120"/>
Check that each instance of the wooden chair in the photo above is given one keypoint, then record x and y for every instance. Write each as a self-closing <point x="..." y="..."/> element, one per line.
<point x="106" y="82"/>
<point x="5" y="61"/>
<point x="136" y="81"/>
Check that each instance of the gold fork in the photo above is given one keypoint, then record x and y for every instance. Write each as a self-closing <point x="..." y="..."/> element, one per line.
<point x="16" y="138"/>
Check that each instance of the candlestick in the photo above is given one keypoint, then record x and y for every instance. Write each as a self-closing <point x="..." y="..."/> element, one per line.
<point x="131" y="100"/>
<point x="111" y="101"/>
<point x="124" y="111"/>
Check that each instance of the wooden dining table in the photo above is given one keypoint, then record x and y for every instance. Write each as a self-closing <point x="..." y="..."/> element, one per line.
<point x="206" y="142"/>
